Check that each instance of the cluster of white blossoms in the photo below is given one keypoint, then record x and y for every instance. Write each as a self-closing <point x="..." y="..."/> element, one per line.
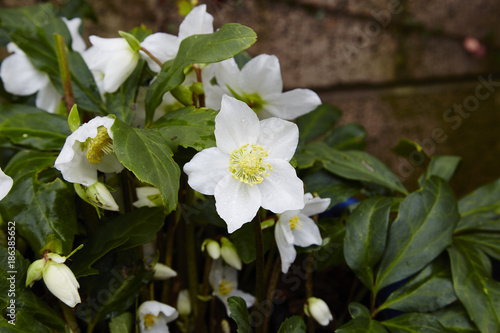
<point x="249" y="167"/>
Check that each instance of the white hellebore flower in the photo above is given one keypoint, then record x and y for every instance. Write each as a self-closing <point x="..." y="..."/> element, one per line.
<point x="165" y="46"/>
<point x="318" y="309"/>
<point x="111" y="60"/>
<point x="5" y="184"/>
<point x="154" y="316"/>
<point x="295" y="227"/>
<point x="250" y="166"/>
<point x="20" y="77"/>
<point x="60" y="280"/>
<point x="87" y="150"/>
<point x="224" y="282"/>
<point x="258" y="84"/>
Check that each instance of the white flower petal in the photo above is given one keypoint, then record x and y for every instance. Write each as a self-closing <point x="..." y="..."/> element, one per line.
<point x="227" y="73"/>
<point x="249" y="299"/>
<point x="206" y="169"/>
<point x="279" y="138"/>
<point x="235" y="125"/>
<point x="48" y="98"/>
<point x="5" y="184"/>
<point x="313" y="205"/>
<point x="119" y="69"/>
<point x="77" y="43"/>
<point x="262" y="75"/>
<point x="282" y="190"/>
<point x="162" y="46"/>
<point x="292" y="104"/>
<point x="62" y="283"/>
<point x="307" y="232"/>
<point x="20" y="77"/>
<point x="215" y="275"/>
<point x="198" y="21"/>
<point x="284" y="240"/>
<point x="236" y="202"/>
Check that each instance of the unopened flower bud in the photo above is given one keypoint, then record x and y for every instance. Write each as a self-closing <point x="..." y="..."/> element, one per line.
<point x="184" y="303"/>
<point x="318" y="309"/>
<point x="229" y="254"/>
<point x="99" y="195"/>
<point x="61" y="282"/>
<point x="35" y="272"/>
<point x="212" y="247"/>
<point x="163" y="272"/>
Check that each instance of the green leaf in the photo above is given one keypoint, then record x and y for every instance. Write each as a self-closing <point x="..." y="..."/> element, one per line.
<point x="414" y="323"/>
<point x="366" y="231"/>
<point x="455" y="319"/>
<point x="131" y="40"/>
<point x="361" y="324"/>
<point x="480" y="207"/>
<point x="331" y="252"/>
<point x="188" y="127"/>
<point x="239" y="312"/>
<point x="326" y="185"/>
<point x="39" y="202"/>
<point x="77" y="8"/>
<point x="74" y="118"/>
<point x="474" y="285"/>
<point x="429" y="290"/>
<point x="244" y="241"/>
<point x="410" y="150"/>
<point x="358" y="310"/>
<point x="223" y="44"/>
<point x="31" y="314"/>
<point x="123" y="232"/>
<point x="355" y="165"/>
<point x="317" y="122"/>
<point x="486" y="240"/>
<point x="121" y="102"/>
<point x="147" y="154"/>
<point x="294" y="324"/>
<point x="347" y="137"/>
<point x="121" y="323"/>
<point x="115" y="289"/>
<point x="40" y="130"/>
<point x="441" y="166"/>
<point x="422" y="230"/>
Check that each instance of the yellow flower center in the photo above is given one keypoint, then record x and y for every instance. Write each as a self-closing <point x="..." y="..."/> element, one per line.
<point x="150" y="320"/>
<point x="247" y="165"/>
<point x="99" y="146"/>
<point x="294" y="222"/>
<point x="225" y="287"/>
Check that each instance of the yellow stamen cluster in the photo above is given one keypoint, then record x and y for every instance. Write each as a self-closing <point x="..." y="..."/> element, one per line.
<point x="150" y="320"/>
<point x="247" y="165"/>
<point x="99" y="146"/>
<point x="294" y="222"/>
<point x="225" y="287"/>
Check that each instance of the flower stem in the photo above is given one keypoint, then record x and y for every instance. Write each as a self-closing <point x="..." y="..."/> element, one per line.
<point x="155" y="59"/>
<point x="192" y="266"/>
<point x="270" y="290"/>
<point x="62" y="59"/>
<point x="201" y="324"/>
<point x="259" y="268"/>
<point x="309" y="287"/>
<point x="69" y="316"/>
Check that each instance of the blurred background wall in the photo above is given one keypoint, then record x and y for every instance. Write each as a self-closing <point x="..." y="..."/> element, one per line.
<point x="399" y="68"/>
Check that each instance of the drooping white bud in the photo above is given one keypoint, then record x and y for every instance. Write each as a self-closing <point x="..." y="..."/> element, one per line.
<point x="61" y="282"/>
<point x="229" y="254"/>
<point x="318" y="309"/>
